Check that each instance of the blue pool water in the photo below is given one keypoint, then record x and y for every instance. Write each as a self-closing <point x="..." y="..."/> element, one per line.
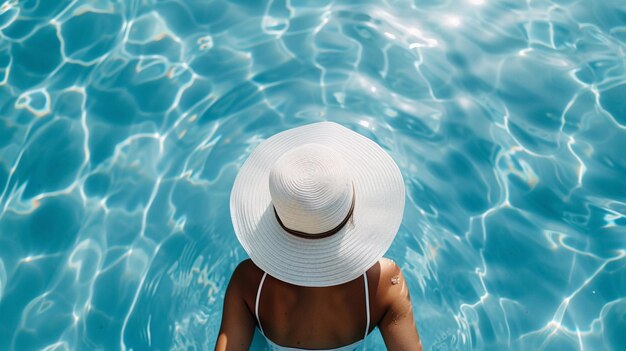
<point x="123" y="124"/>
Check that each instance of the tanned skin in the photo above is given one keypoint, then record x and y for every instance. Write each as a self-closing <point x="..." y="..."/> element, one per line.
<point x="318" y="318"/>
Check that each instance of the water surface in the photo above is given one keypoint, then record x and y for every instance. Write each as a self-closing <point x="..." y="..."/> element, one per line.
<point x="123" y="124"/>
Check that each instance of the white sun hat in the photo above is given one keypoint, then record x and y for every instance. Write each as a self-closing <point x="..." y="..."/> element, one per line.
<point x="317" y="205"/>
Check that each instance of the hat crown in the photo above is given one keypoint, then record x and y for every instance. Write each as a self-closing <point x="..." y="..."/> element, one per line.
<point x="311" y="189"/>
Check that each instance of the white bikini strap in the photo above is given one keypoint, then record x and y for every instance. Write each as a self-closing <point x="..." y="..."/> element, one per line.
<point x="256" y="303"/>
<point x="367" y="305"/>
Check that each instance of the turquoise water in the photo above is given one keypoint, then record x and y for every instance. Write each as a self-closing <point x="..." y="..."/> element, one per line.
<point x="123" y="124"/>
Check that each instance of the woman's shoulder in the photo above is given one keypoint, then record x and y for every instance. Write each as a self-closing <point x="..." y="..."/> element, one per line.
<point x="246" y="278"/>
<point x="383" y="276"/>
<point x="388" y="266"/>
<point x="244" y="282"/>
<point x="387" y="281"/>
<point x="247" y="272"/>
<point x="384" y="271"/>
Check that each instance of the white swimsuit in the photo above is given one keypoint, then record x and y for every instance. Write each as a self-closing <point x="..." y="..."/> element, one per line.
<point x="354" y="346"/>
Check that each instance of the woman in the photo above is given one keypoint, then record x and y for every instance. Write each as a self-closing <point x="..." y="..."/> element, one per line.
<point x="316" y="207"/>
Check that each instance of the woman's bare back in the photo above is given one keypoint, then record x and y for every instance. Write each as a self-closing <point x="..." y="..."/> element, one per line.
<point x="326" y="317"/>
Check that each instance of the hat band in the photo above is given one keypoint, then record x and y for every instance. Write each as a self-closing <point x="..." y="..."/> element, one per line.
<point x="319" y="235"/>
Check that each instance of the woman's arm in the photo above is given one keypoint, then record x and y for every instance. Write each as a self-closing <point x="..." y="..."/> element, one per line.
<point x="237" y="329"/>
<point x="398" y="325"/>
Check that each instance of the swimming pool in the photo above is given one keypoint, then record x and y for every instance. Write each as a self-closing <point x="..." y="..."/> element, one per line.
<point x="123" y="124"/>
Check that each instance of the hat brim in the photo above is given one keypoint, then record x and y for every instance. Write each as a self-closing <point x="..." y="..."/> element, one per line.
<point x="337" y="259"/>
